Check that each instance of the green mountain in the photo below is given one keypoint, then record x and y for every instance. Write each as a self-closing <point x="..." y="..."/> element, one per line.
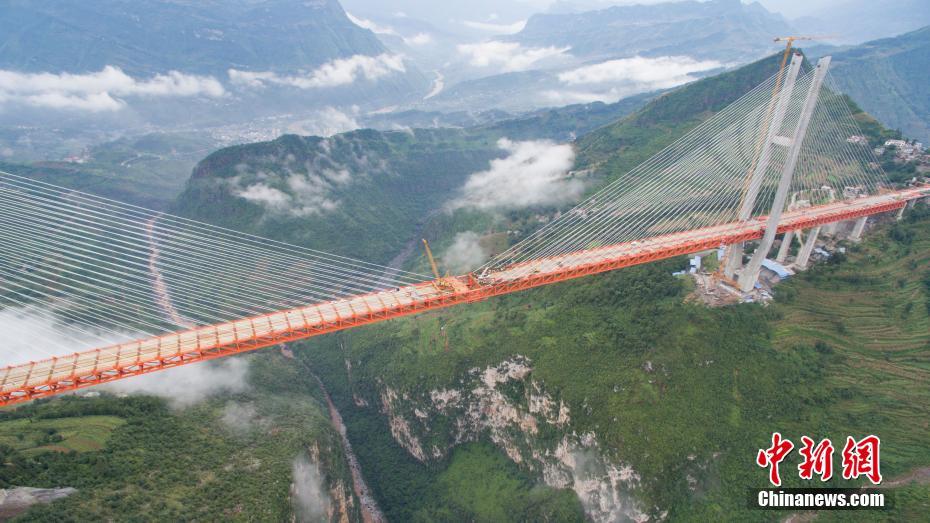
<point x="888" y="78"/>
<point x="726" y="30"/>
<point x="155" y="36"/>
<point x="383" y="188"/>
<point x="238" y="456"/>
<point x="608" y="398"/>
<point x="622" y="145"/>
<point x="123" y="169"/>
<point x="361" y="194"/>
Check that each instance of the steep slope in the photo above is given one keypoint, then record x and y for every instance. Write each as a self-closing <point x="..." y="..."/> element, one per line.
<point x="160" y="35"/>
<point x="858" y="21"/>
<point x="495" y="389"/>
<point x="262" y="452"/>
<point x="888" y="78"/>
<point x="365" y="193"/>
<point x="616" y="148"/>
<point x="725" y="30"/>
<point x="636" y="398"/>
<point x="123" y="169"/>
<point x="361" y="194"/>
<point x="605" y="398"/>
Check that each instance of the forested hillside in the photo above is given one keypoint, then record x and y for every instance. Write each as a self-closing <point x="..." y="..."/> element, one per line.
<point x="234" y="456"/>
<point x="608" y="398"/>
<point x="888" y="78"/>
<point x="195" y="37"/>
<point x="677" y="395"/>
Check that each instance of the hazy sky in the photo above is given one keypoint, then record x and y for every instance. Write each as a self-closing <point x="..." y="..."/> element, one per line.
<point x="510" y="10"/>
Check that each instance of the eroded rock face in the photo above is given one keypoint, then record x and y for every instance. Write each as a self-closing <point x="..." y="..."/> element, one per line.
<point x="15" y="501"/>
<point x="314" y="497"/>
<point x="505" y="404"/>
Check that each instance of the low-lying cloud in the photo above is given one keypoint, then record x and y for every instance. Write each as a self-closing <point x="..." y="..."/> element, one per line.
<point x="508" y="56"/>
<point x="615" y="79"/>
<point x="533" y="173"/>
<point x="327" y="122"/>
<point x="371" y="26"/>
<point x="465" y="254"/>
<point x="651" y="73"/>
<point x="335" y="73"/>
<point x="105" y="90"/>
<point x="188" y="384"/>
<point x="32" y="333"/>
<point x="239" y="418"/>
<point x="495" y="28"/>
<point x="308" y="492"/>
<point x="374" y="27"/>
<point x="301" y="190"/>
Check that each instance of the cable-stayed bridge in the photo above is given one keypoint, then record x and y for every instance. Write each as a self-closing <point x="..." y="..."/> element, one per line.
<point x="101" y="290"/>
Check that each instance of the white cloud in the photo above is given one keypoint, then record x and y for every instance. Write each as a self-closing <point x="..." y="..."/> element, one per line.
<point x="508" y="56"/>
<point x="105" y="90"/>
<point x="31" y="333"/>
<point x="371" y="26"/>
<point x="28" y="330"/>
<point x="273" y="199"/>
<point x="533" y="173"/>
<point x="308" y="493"/>
<point x="488" y="27"/>
<point x="308" y="196"/>
<point x="298" y="192"/>
<point x="342" y="71"/>
<point x="439" y="83"/>
<point x="239" y="418"/>
<point x="327" y="122"/>
<point x="465" y="253"/>
<point x="188" y="384"/>
<point x="554" y="97"/>
<point x="651" y="73"/>
<point x="615" y="79"/>
<point x="419" y="39"/>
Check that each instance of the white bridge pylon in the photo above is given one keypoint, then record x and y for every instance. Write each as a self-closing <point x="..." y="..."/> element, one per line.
<point x="793" y="134"/>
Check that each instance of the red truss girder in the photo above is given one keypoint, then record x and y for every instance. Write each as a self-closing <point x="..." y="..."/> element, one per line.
<point x="208" y="343"/>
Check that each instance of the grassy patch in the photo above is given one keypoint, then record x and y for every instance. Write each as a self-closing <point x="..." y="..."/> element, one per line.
<point x="78" y="434"/>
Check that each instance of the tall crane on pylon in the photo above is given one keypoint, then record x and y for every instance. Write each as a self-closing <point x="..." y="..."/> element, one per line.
<point x="789" y="43"/>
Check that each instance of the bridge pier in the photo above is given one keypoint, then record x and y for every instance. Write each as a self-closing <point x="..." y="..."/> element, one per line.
<point x="785" y="246"/>
<point x="858" y="229"/>
<point x="805" y="255"/>
<point x="733" y="259"/>
<point x="830" y="229"/>
<point x="900" y="215"/>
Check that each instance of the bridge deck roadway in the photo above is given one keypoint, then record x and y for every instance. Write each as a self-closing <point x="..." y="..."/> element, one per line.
<point x="55" y="375"/>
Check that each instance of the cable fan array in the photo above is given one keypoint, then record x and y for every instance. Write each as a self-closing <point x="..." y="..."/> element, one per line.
<point x="700" y="180"/>
<point x="79" y="271"/>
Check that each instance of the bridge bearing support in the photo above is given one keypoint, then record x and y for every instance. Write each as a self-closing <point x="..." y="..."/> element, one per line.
<point x="858" y="229"/>
<point x="750" y="274"/>
<point x="785" y="246"/>
<point x="900" y="214"/>
<point x="805" y="255"/>
<point x="734" y="256"/>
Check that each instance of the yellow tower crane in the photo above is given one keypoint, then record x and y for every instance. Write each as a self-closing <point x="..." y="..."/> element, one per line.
<point x="446" y="282"/>
<point x="789" y="42"/>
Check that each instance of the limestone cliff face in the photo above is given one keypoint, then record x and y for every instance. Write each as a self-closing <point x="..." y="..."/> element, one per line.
<point x="505" y="404"/>
<point x="317" y="495"/>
